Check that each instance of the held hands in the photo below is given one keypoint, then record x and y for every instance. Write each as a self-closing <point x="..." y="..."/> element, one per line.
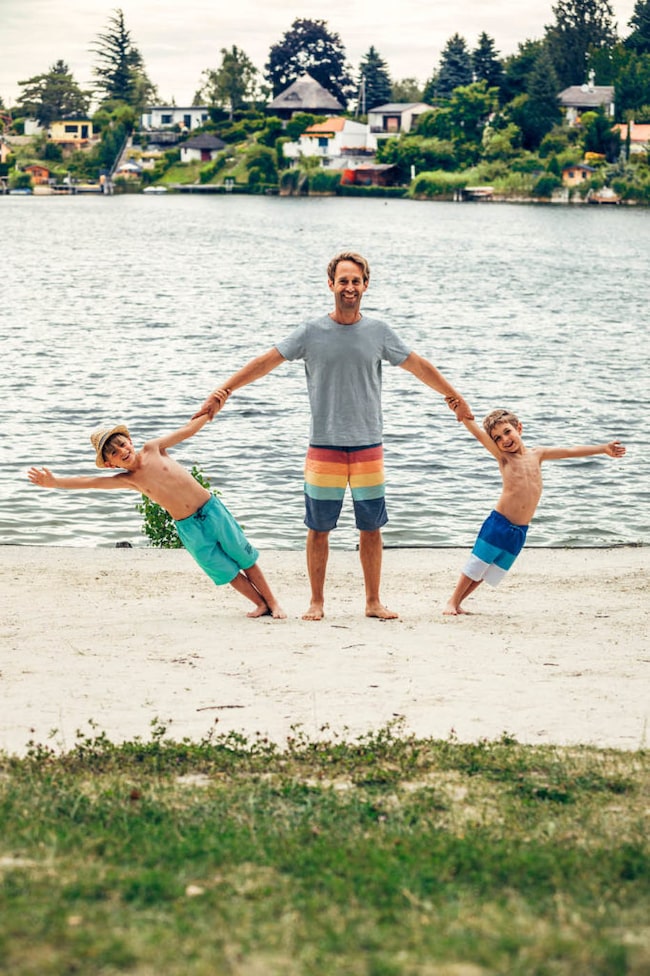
<point x="614" y="449"/>
<point x="460" y="407"/>
<point x="212" y="404"/>
<point x="42" y="477"/>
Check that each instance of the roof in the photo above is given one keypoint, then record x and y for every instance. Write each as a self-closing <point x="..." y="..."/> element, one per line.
<point x="398" y="107"/>
<point x="176" y="108"/>
<point x="640" y="131"/>
<point x="306" y="93"/>
<point x="585" y="96"/>
<point x="203" y="141"/>
<point x="329" y="125"/>
<point x="586" y="166"/>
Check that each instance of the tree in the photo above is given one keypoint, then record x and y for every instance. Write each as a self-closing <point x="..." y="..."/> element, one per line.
<point x="310" y="47"/>
<point x="455" y="67"/>
<point x="374" y="81"/>
<point x="580" y="27"/>
<point x="485" y="62"/>
<point x="538" y="111"/>
<point x="639" y="39"/>
<point x="53" y="95"/>
<point x="120" y="69"/>
<point x="600" y="136"/>
<point x="632" y="81"/>
<point x="517" y="69"/>
<point x="232" y="85"/>
<point x="407" y="90"/>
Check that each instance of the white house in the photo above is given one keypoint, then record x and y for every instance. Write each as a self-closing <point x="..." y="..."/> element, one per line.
<point x="395" y="117"/>
<point x="167" y="116"/>
<point x="334" y="141"/>
<point x="586" y="98"/>
<point x="201" y="148"/>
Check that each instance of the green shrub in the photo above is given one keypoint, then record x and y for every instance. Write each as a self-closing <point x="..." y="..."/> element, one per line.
<point x="158" y="525"/>
<point x="546" y="184"/>
<point x="324" y="181"/>
<point x="438" y="183"/>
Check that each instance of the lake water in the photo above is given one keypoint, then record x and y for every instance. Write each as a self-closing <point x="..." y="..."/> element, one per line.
<point x="131" y="308"/>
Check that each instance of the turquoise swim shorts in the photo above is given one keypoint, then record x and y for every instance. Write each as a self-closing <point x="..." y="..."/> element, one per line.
<point x="215" y="540"/>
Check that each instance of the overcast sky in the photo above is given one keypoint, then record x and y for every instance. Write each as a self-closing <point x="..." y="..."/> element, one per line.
<point x="179" y="39"/>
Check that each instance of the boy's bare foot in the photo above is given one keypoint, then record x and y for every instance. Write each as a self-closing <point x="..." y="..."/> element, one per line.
<point x="277" y="612"/>
<point x="261" y="610"/>
<point x="316" y="611"/>
<point x="452" y="611"/>
<point x="381" y="612"/>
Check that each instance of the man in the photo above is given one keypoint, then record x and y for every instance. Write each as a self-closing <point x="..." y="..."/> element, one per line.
<point x="343" y="352"/>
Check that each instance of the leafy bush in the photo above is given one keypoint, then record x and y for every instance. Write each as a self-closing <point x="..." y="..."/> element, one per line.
<point x="158" y="525"/>
<point x="546" y="184"/>
<point x="325" y="181"/>
<point x="438" y="183"/>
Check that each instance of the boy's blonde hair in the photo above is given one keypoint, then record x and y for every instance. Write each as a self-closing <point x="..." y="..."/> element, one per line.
<point x="499" y="417"/>
<point x="348" y="256"/>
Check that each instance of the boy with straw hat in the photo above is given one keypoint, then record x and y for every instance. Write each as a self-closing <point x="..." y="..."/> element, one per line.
<point x="205" y="526"/>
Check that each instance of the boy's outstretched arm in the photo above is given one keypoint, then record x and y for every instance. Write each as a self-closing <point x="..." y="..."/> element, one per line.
<point x="481" y="436"/>
<point x="182" y="434"/>
<point x="44" y="478"/>
<point x="612" y="449"/>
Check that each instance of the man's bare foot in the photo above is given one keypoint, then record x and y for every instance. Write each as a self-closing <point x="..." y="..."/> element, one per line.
<point x="453" y="611"/>
<point x="381" y="612"/>
<point x="315" y="612"/>
<point x="261" y="610"/>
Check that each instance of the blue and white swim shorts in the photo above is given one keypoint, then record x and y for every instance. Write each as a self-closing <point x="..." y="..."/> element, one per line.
<point x="498" y="544"/>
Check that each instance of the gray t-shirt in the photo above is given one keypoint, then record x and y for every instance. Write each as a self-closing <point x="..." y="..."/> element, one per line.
<point x="343" y="370"/>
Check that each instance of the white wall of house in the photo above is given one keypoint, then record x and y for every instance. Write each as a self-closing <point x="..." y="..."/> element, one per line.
<point x="390" y="120"/>
<point x="332" y="146"/>
<point x="167" y="116"/>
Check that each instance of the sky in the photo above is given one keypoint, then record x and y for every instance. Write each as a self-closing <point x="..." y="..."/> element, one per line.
<point x="179" y="40"/>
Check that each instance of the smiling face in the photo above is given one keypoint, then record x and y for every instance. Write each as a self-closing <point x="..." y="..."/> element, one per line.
<point x="348" y="286"/>
<point x="118" y="452"/>
<point x="507" y="436"/>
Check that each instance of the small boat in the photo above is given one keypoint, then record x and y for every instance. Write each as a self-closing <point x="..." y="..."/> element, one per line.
<point x="155" y="189"/>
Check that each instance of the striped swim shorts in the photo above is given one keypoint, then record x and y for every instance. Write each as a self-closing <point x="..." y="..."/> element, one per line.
<point x="498" y="544"/>
<point x="329" y="470"/>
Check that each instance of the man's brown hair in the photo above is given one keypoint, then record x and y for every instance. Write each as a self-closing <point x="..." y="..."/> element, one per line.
<point x="349" y="256"/>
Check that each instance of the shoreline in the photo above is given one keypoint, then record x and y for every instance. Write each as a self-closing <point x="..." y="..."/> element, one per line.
<point x="121" y="638"/>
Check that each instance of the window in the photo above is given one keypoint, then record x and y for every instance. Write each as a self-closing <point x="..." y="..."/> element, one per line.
<point x="166" y="118"/>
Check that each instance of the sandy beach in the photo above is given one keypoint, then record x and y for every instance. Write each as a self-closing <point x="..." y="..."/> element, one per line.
<point x="560" y="653"/>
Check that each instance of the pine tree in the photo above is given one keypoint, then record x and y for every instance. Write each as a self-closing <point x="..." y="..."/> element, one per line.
<point x="455" y="67"/>
<point x="120" y="69"/>
<point x="485" y="62"/>
<point x="374" y="81"/>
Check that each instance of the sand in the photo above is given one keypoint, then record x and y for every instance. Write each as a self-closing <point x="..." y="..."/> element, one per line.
<point x="112" y="640"/>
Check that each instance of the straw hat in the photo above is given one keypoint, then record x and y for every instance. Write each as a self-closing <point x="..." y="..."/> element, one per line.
<point x="99" y="437"/>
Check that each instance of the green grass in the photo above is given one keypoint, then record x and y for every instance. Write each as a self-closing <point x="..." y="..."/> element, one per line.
<point x="382" y="856"/>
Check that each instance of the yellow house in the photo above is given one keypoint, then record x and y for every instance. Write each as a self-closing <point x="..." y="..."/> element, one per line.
<point x="576" y="174"/>
<point x="72" y="133"/>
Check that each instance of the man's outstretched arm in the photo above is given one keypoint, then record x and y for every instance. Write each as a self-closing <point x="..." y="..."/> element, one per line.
<point x="253" y="370"/>
<point x="427" y="373"/>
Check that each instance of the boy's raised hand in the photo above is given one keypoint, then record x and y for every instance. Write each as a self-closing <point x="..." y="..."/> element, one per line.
<point x="42" y="477"/>
<point x="614" y="449"/>
<point x="460" y="407"/>
<point x="212" y="404"/>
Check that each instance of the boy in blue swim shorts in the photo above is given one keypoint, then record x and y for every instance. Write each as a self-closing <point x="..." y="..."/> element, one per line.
<point x="502" y="535"/>
<point x="205" y="526"/>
